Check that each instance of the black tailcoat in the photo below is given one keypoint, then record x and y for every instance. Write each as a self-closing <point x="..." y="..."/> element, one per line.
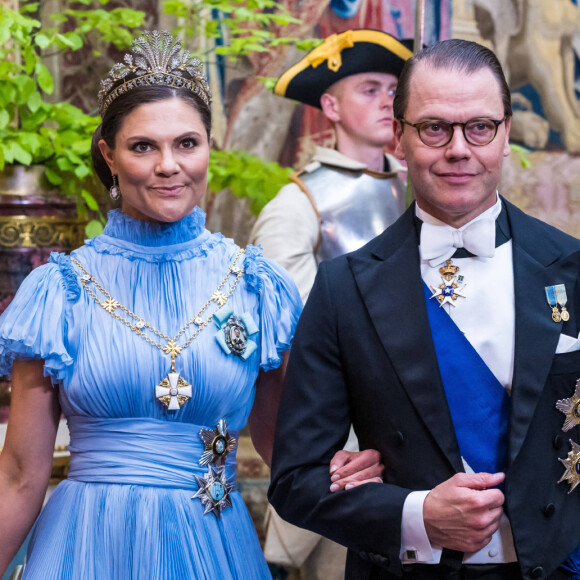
<point x="363" y="353"/>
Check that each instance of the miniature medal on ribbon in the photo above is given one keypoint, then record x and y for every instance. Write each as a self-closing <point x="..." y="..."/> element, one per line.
<point x="571" y="408"/>
<point x="450" y="289"/>
<point x="214" y="491"/>
<point x="562" y="300"/>
<point x="218" y="444"/>
<point x="556" y="296"/>
<point x="235" y="333"/>
<point x="572" y="465"/>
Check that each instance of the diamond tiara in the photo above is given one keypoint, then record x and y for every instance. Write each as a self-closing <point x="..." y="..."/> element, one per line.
<point x="155" y="60"/>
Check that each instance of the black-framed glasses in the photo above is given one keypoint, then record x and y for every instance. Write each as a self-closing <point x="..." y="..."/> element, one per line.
<point x="436" y="133"/>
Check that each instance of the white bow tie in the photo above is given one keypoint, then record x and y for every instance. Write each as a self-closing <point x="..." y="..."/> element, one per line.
<point x="438" y="243"/>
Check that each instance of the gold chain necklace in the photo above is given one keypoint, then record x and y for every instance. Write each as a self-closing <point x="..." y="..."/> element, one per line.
<point x="173" y="391"/>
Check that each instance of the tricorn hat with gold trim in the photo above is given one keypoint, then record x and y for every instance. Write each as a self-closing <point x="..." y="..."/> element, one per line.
<point x="339" y="56"/>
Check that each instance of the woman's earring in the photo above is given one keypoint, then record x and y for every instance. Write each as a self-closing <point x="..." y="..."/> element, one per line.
<point x="115" y="192"/>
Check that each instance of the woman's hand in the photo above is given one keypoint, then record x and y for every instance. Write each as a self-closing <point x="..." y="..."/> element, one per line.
<point x="349" y="469"/>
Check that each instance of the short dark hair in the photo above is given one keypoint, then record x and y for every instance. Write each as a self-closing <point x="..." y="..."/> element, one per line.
<point x="128" y="102"/>
<point x="457" y="55"/>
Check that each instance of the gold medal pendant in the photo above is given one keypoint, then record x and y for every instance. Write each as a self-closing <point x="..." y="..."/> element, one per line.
<point x="562" y="300"/>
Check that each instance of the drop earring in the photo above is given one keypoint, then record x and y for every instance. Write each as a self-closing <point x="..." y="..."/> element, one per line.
<point x="115" y="192"/>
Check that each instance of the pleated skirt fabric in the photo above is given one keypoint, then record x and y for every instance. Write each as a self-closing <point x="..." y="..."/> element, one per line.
<point x="134" y="532"/>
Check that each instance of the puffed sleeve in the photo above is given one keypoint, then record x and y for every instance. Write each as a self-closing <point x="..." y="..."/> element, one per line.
<point x="280" y="305"/>
<point x="34" y="324"/>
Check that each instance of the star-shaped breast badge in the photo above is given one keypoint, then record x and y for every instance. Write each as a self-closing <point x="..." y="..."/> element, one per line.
<point x="214" y="491"/>
<point x="572" y="465"/>
<point x="571" y="408"/>
<point x="217" y="443"/>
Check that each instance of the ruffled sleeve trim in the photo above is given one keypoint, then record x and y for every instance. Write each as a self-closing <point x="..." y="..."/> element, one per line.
<point x="33" y="326"/>
<point x="280" y="305"/>
<point x="70" y="279"/>
<point x="253" y="280"/>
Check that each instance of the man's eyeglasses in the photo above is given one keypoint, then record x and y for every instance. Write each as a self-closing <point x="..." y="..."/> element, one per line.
<point x="436" y="133"/>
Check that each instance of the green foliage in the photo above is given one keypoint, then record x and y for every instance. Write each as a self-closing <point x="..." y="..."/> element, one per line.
<point x="58" y="135"/>
<point x="247" y="176"/>
<point x="33" y="130"/>
<point x="522" y="154"/>
<point x="245" y="24"/>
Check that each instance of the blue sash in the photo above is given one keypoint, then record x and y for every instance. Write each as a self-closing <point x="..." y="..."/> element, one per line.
<point x="478" y="403"/>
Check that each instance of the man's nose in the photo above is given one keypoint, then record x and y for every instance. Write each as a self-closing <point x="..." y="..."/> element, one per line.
<point x="458" y="146"/>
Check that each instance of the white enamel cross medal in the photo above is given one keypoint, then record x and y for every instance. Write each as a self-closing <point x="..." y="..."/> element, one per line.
<point x="173" y="391"/>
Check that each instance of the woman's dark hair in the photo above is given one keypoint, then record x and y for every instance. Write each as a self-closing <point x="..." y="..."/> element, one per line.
<point x="457" y="55"/>
<point x="125" y="104"/>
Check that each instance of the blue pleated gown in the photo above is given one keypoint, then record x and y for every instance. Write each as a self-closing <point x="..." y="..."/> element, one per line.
<point x="126" y="510"/>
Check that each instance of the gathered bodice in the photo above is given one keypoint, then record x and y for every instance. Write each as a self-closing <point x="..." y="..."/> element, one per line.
<point x="164" y="274"/>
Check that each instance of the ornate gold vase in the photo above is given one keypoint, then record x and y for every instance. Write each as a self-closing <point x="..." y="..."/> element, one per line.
<point x="34" y="221"/>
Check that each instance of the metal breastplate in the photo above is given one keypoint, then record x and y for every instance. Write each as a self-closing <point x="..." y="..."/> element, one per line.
<point x="354" y="207"/>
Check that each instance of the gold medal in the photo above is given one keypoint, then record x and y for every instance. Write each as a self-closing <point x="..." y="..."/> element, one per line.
<point x="551" y="298"/>
<point x="562" y="300"/>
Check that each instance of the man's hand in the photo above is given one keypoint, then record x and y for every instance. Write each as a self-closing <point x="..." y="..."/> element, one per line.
<point x="462" y="513"/>
<point x="351" y="468"/>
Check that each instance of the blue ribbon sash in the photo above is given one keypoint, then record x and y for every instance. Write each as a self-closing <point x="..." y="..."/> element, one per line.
<point x="478" y="403"/>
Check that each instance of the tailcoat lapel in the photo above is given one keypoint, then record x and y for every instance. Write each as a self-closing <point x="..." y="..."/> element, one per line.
<point x="389" y="281"/>
<point x="537" y="264"/>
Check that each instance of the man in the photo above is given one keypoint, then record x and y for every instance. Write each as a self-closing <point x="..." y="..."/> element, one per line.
<point x="337" y="203"/>
<point x="347" y="195"/>
<point x="459" y="368"/>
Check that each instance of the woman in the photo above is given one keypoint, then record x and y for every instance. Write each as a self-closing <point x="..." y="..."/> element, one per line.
<point x="150" y="339"/>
